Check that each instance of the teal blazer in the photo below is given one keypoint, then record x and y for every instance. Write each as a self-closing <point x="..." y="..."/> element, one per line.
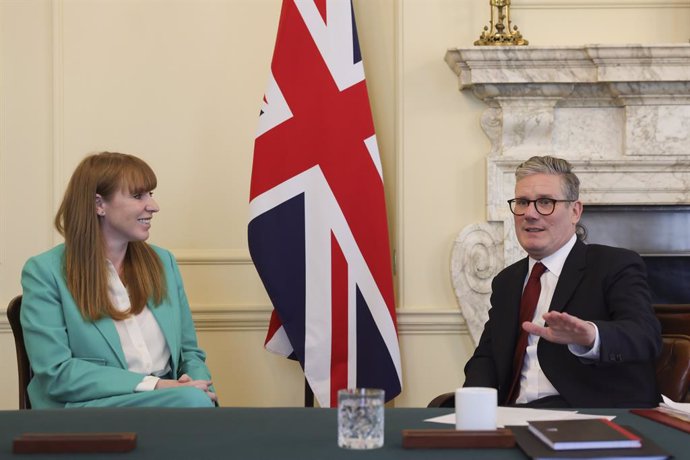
<point x="76" y="360"/>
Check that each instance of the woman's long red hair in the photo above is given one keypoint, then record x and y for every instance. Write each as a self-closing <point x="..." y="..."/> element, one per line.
<point x="85" y="263"/>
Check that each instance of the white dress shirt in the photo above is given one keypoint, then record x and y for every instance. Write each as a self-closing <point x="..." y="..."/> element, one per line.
<point x="533" y="382"/>
<point x="142" y="340"/>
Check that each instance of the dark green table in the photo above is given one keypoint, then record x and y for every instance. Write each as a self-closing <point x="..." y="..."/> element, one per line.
<point x="265" y="434"/>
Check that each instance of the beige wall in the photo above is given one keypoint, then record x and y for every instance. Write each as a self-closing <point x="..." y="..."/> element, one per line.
<point x="179" y="82"/>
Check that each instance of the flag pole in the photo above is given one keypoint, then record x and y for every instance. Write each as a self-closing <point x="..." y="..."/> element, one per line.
<point x="308" y="394"/>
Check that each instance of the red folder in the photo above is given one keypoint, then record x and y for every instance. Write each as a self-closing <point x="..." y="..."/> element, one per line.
<point x="663" y="418"/>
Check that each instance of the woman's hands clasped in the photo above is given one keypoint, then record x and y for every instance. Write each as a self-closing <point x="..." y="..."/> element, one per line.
<point x="187" y="381"/>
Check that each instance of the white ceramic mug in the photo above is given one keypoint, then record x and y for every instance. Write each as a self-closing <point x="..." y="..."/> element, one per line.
<point x="475" y="408"/>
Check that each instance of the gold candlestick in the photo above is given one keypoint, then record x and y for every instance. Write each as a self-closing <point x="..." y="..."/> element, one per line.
<point x="499" y="34"/>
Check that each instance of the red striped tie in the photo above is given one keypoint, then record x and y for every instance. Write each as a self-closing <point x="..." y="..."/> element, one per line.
<point x="528" y="304"/>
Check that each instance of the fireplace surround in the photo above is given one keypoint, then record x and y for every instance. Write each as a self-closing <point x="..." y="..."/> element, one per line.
<point x="659" y="233"/>
<point x="619" y="114"/>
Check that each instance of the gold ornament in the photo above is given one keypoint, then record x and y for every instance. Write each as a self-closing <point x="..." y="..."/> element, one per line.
<point x="499" y="34"/>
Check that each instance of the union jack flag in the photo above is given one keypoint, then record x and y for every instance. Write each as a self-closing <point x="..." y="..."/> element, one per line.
<point x="318" y="233"/>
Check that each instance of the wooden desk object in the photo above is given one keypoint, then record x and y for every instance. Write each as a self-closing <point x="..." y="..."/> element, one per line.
<point x="450" y="439"/>
<point x="34" y="443"/>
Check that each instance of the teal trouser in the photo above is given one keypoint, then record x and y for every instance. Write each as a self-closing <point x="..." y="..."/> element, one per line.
<point x="168" y="397"/>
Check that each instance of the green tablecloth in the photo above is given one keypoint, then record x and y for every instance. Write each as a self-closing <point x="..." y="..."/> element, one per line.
<point x="266" y="433"/>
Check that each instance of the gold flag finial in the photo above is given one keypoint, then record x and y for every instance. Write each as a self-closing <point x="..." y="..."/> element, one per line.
<point x="499" y="34"/>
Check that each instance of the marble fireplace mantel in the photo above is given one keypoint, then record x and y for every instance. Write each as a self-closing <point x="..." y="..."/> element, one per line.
<point x="619" y="114"/>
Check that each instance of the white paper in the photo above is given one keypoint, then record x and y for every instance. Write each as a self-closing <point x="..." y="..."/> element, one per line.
<point x="680" y="407"/>
<point x="507" y="416"/>
<point x="678" y="410"/>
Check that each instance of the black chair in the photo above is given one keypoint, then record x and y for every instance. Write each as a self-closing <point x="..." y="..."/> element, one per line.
<point x="444" y="400"/>
<point x="23" y="366"/>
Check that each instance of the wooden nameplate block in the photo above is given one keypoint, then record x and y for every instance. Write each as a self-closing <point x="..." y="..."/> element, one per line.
<point x="55" y="443"/>
<point x="663" y="418"/>
<point x="450" y="439"/>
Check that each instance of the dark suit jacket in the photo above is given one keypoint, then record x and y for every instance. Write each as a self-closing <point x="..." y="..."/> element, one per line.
<point x="602" y="284"/>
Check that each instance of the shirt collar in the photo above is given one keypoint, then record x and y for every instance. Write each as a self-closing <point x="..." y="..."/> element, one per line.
<point x="554" y="263"/>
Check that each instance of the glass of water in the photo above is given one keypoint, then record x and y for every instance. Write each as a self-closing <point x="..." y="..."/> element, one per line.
<point x="360" y="418"/>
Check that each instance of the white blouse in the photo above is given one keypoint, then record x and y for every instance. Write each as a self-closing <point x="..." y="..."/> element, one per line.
<point x="142" y="340"/>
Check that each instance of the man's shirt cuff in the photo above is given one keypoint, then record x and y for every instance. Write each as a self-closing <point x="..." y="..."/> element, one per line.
<point x="584" y="352"/>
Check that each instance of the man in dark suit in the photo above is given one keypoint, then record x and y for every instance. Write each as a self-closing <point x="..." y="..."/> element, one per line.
<point x="593" y="338"/>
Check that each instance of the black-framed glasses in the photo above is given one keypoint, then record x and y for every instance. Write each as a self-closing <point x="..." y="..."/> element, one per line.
<point x="544" y="206"/>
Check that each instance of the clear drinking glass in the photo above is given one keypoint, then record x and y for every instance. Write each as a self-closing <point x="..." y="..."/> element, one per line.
<point x="360" y="418"/>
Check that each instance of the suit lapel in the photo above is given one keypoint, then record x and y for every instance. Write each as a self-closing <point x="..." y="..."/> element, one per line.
<point x="507" y="327"/>
<point x="162" y="313"/>
<point x="571" y="275"/>
<point x="513" y="291"/>
<point x="106" y="327"/>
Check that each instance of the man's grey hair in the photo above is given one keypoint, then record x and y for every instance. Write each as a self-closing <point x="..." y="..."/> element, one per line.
<point x="551" y="165"/>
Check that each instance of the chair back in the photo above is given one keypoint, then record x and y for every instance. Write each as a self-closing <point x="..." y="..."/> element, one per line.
<point x="673" y="367"/>
<point x="674" y="318"/>
<point x="443" y="400"/>
<point x="23" y="366"/>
